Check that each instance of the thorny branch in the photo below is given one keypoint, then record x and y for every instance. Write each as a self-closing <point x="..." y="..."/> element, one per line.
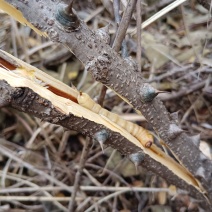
<point x="26" y="100"/>
<point x="107" y="67"/>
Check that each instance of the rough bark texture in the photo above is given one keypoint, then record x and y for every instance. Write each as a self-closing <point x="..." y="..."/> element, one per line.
<point x="109" y="68"/>
<point x="26" y="100"/>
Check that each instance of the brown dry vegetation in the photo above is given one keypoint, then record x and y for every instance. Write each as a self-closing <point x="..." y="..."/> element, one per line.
<point x="176" y="57"/>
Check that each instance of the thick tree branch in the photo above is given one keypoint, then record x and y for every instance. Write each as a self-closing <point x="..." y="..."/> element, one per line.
<point x="26" y="100"/>
<point x="109" y="68"/>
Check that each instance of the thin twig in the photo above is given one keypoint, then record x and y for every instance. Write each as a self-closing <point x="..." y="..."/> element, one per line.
<point x="183" y="92"/>
<point x="120" y="34"/>
<point x="10" y="154"/>
<point x="102" y="95"/>
<point x="124" y="25"/>
<point x="38" y="198"/>
<point x="138" y="23"/>
<point x="159" y="14"/>
<point x="83" y="188"/>
<point x="115" y="201"/>
<point x="121" y="179"/>
<point x="91" y="178"/>
<point x="34" y="186"/>
<point x="78" y="174"/>
<point x="116" y="8"/>
<point x="106" y="198"/>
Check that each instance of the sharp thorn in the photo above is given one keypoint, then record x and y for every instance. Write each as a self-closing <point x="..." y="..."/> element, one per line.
<point x="196" y="140"/>
<point x="157" y="91"/>
<point x="101" y="137"/>
<point x="148" y="93"/>
<point x="136" y="169"/>
<point x="174" y="131"/>
<point x="104" y="33"/>
<point x="101" y="145"/>
<point x="175" y="117"/>
<point x="106" y="28"/>
<point x="137" y="158"/>
<point x="200" y="173"/>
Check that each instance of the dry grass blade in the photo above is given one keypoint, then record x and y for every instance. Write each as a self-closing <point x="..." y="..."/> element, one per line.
<point x="8" y="153"/>
<point x="160" y="14"/>
<point x="32" y="186"/>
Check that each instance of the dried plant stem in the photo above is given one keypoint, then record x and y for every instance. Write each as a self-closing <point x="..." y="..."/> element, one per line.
<point x="121" y="32"/>
<point x="83" y="188"/>
<point x="32" y="186"/>
<point x="83" y="158"/>
<point x="104" y="199"/>
<point x="8" y="153"/>
<point x="102" y="95"/>
<point x="138" y="23"/>
<point x="159" y="14"/>
<point x="116" y="8"/>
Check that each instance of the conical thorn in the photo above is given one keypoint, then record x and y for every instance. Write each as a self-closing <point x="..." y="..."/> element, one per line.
<point x="175" y="117"/>
<point x="196" y="140"/>
<point x="148" y="93"/>
<point x="137" y="158"/>
<point x="174" y="131"/>
<point x="104" y="33"/>
<point x="157" y="91"/>
<point x="200" y="173"/>
<point x="101" y="137"/>
<point x="101" y="145"/>
<point x="106" y="28"/>
<point x="68" y="9"/>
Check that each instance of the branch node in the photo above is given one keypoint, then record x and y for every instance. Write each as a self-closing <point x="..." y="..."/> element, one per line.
<point x="99" y="68"/>
<point x="66" y="18"/>
<point x="6" y="97"/>
<point x="53" y="34"/>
